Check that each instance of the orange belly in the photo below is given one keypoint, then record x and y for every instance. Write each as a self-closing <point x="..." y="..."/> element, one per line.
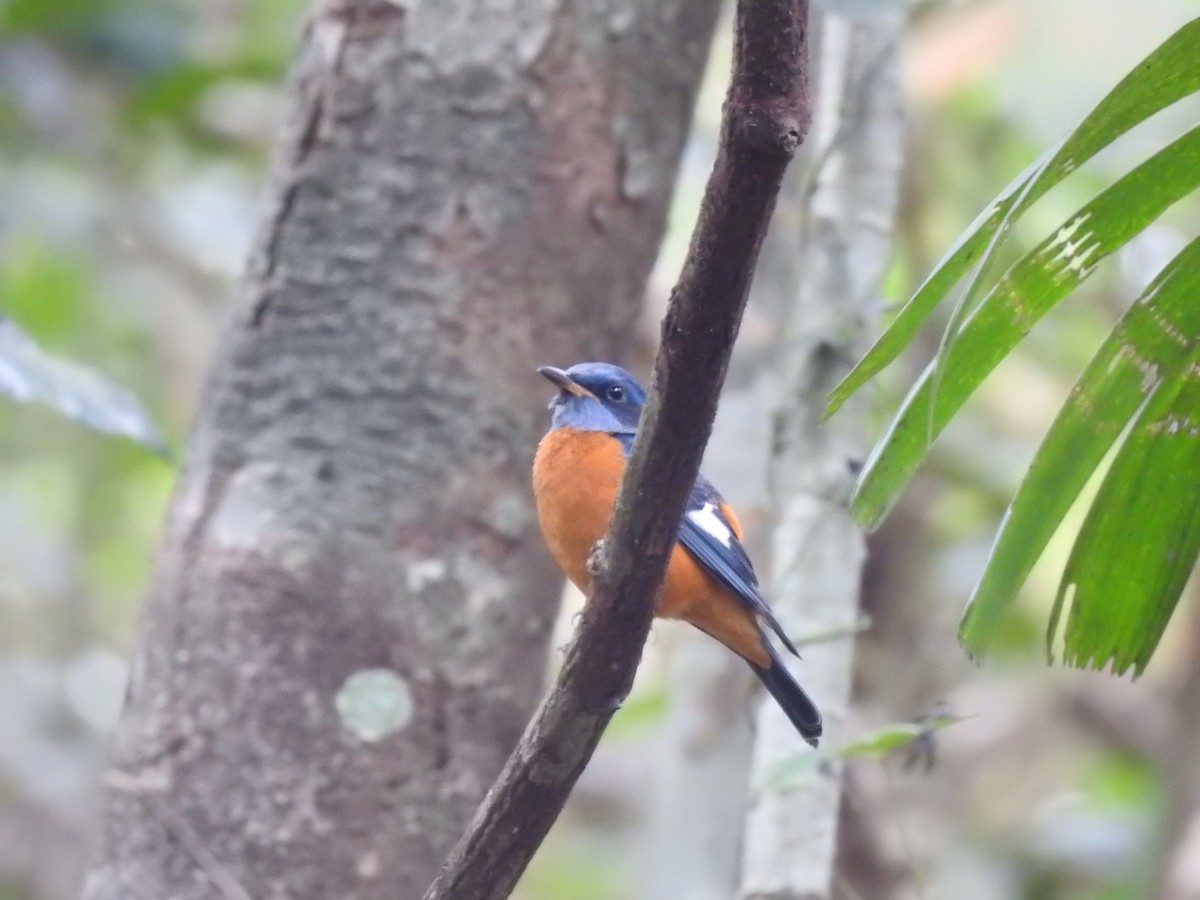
<point x="575" y="479"/>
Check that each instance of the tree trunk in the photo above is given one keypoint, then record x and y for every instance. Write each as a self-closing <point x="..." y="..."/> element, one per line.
<point x="343" y="638"/>
<point x="818" y="552"/>
<point x="703" y="769"/>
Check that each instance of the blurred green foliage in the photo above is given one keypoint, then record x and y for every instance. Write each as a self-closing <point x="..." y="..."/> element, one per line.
<point x="918" y="740"/>
<point x="1141" y="536"/>
<point x="132" y="136"/>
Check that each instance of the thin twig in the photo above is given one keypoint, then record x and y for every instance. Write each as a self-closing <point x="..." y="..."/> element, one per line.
<point x="766" y="115"/>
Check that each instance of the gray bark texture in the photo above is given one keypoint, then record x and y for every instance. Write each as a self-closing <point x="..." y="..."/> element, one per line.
<point x="849" y="199"/>
<point x="344" y="635"/>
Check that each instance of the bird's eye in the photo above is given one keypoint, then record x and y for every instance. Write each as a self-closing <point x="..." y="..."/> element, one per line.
<point x="616" y="393"/>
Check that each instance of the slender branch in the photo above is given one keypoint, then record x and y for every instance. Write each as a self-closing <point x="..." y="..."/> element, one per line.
<point x="766" y="115"/>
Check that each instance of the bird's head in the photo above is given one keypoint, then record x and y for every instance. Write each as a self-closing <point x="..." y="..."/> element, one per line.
<point x="595" y="396"/>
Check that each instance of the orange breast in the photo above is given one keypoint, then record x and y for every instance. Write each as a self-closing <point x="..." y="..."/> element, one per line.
<point x="575" y="479"/>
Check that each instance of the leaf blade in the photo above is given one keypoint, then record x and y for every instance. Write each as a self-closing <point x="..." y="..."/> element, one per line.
<point x="1141" y="537"/>
<point x="1030" y="288"/>
<point x="30" y="375"/>
<point x="1152" y="337"/>
<point x="1167" y="75"/>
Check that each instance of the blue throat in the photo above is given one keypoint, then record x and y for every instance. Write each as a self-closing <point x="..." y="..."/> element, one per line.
<point x="588" y="414"/>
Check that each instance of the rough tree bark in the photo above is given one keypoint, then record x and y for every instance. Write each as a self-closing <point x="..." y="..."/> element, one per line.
<point x="817" y="551"/>
<point x="336" y="654"/>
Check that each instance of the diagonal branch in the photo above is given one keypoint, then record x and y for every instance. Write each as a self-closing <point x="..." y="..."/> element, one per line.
<point x="766" y="115"/>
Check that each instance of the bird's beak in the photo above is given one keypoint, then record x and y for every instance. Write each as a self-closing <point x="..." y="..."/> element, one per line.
<point x="563" y="381"/>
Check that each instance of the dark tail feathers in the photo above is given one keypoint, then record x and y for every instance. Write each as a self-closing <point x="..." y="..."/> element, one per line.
<point x="791" y="698"/>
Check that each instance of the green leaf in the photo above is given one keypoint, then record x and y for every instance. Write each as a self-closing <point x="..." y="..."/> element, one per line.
<point x="1141" y="537"/>
<point x="1031" y="287"/>
<point x="883" y="740"/>
<point x="1152" y="338"/>
<point x="790" y="772"/>
<point x="892" y="737"/>
<point x="51" y="18"/>
<point x="1168" y="74"/>
<point x="29" y="374"/>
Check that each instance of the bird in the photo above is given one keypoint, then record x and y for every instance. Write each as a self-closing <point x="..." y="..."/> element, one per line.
<point x="710" y="582"/>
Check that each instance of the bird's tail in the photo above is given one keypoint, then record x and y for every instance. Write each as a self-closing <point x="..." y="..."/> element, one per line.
<point x="796" y="704"/>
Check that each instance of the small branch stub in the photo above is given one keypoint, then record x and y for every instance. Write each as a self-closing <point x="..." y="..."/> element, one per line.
<point x="595" y="563"/>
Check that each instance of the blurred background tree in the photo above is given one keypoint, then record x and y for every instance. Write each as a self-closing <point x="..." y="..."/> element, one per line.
<point x="133" y="142"/>
<point x="128" y="187"/>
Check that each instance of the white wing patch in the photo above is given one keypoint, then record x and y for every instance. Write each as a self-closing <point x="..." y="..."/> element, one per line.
<point x="710" y="523"/>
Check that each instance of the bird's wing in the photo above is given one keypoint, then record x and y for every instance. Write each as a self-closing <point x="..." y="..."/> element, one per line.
<point x="711" y="534"/>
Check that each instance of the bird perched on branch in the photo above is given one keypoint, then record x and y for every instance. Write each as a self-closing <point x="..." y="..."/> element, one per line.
<point x="709" y="581"/>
